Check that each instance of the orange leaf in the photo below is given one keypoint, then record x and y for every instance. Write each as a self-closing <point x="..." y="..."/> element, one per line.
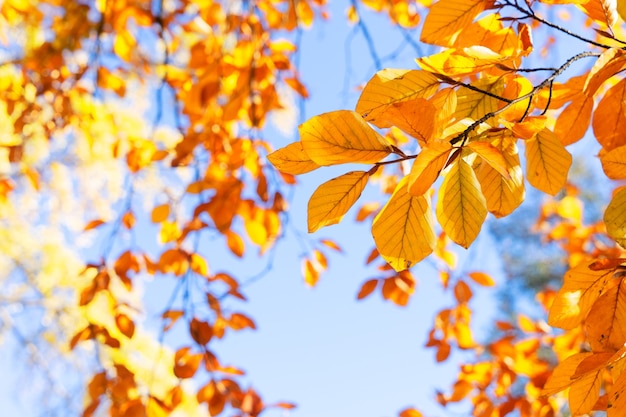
<point x="492" y="155"/>
<point x="125" y="325"/>
<point x="367" y="288"/>
<point x="292" y="159"/>
<point x="447" y="18"/>
<point x="93" y="224"/>
<point x="482" y="279"/>
<point x="427" y="166"/>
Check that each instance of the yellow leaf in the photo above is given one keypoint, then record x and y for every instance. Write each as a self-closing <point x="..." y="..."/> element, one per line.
<point x="160" y="213"/>
<point x="199" y="265"/>
<point x="615" y="217"/>
<point x="292" y="159"/>
<point x="391" y="86"/>
<point x="602" y="11"/>
<point x="606" y="322"/>
<point x="547" y="162"/>
<point x="461" y="207"/>
<point x="475" y="104"/>
<point x="581" y="288"/>
<point x="609" y="119"/>
<point x="561" y="377"/>
<point x="607" y="65"/>
<point x="614" y="163"/>
<point x="584" y="392"/>
<point x="573" y="122"/>
<point x="331" y="200"/>
<point x="621" y="10"/>
<point x="340" y="137"/>
<point x="403" y="230"/>
<point x="310" y="273"/>
<point x="503" y="195"/>
<point x="482" y="279"/>
<point x="446" y="18"/>
<point x="491" y="155"/>
<point x="428" y="165"/>
<point x="415" y="117"/>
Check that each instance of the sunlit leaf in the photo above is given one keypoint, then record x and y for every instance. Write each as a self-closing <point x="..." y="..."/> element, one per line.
<point x="390" y="86"/>
<point x="292" y="159"/>
<point x="614" y="163"/>
<point x="561" y="377"/>
<point x="548" y="162"/>
<point x="340" y="137"/>
<point x="427" y="166"/>
<point x="461" y="207"/>
<point x="606" y="322"/>
<point x="609" y="119"/>
<point x="581" y="288"/>
<point x="367" y="288"/>
<point x="573" y="122"/>
<point x="447" y="17"/>
<point x="403" y="230"/>
<point x="332" y="200"/>
<point x="615" y="217"/>
<point x="502" y="194"/>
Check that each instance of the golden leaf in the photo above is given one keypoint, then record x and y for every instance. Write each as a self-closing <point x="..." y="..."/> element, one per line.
<point x="609" y="119"/>
<point x="403" y="230"/>
<point x="606" y="322"/>
<point x="332" y="200"/>
<point x="581" y="288"/>
<point x="292" y="159"/>
<point x="340" y="137"/>
<point x="614" y="163"/>
<point x="607" y="65"/>
<point x="475" y="104"/>
<point x="446" y="18"/>
<point x="547" y="162"/>
<point x="573" y="122"/>
<point x="391" y="86"/>
<point x="615" y="217"/>
<point x="561" y="377"/>
<point x="415" y="117"/>
<point x="461" y="207"/>
<point x="492" y="156"/>
<point x="502" y="194"/>
<point x="427" y="166"/>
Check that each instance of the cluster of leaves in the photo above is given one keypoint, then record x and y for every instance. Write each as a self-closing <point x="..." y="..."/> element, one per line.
<point x="466" y="112"/>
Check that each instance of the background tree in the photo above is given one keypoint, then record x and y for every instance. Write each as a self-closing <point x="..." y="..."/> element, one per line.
<point x="134" y="146"/>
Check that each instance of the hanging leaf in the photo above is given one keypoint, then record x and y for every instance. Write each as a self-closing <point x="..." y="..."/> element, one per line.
<point x="390" y="86"/>
<point x="475" y="104"/>
<point x="461" y="207"/>
<point x="331" y="200"/>
<point x="581" y="288"/>
<point x="503" y="195"/>
<point x="403" y="230"/>
<point x="547" y="162"/>
<point x="292" y="159"/>
<point x="609" y="119"/>
<point x="606" y="322"/>
<point x="340" y="137"/>
<point x="447" y="17"/>
<point x="573" y="122"/>
<point x="428" y="165"/>
<point x="615" y="217"/>
<point x="614" y="163"/>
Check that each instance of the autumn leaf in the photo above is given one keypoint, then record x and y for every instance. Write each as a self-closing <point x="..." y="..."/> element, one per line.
<point x="606" y="322"/>
<point x="461" y="206"/>
<point x="581" y="288"/>
<point x="332" y="200"/>
<point x="447" y="17"/>
<point x="391" y="86"/>
<point x="403" y="230"/>
<point x="427" y="166"/>
<point x="614" y="163"/>
<point x="340" y="137"/>
<point x="491" y="155"/>
<point x="561" y="377"/>
<point x="615" y="217"/>
<point x="548" y="162"/>
<point x="502" y="194"/>
<point x="475" y="104"/>
<point x="573" y="122"/>
<point x="292" y="159"/>
<point x="609" y="119"/>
